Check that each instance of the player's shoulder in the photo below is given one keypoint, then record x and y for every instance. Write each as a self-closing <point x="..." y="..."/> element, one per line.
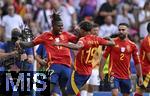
<point x="66" y="33"/>
<point x="132" y="43"/>
<point x="46" y="33"/>
<point x="116" y="39"/>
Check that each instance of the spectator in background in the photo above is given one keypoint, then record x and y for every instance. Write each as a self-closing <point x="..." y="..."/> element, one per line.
<point x="20" y="6"/>
<point x="108" y="28"/>
<point x="144" y="18"/>
<point x="67" y="12"/>
<point x="126" y="17"/>
<point x="11" y="21"/>
<point x="107" y="9"/>
<point x="88" y="8"/>
<point x="43" y="18"/>
<point x="99" y="4"/>
<point x="1" y="32"/>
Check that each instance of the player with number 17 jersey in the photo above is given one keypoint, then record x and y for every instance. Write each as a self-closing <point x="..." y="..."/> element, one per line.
<point x="120" y="56"/>
<point x="56" y="54"/>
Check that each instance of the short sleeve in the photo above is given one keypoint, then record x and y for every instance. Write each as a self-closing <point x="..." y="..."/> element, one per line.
<point x="40" y="39"/>
<point x="102" y="41"/>
<point x="147" y="46"/>
<point x="136" y="55"/>
<point x="71" y="37"/>
<point x="82" y="42"/>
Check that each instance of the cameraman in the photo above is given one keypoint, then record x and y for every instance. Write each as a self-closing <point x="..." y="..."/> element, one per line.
<point x="23" y="59"/>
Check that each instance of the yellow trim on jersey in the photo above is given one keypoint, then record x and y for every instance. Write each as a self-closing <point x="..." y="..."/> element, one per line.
<point x="147" y="80"/>
<point x="143" y="57"/>
<point x="73" y="84"/>
<point x="75" y="66"/>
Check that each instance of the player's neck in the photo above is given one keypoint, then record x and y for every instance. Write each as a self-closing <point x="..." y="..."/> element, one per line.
<point x="55" y="33"/>
<point x="126" y="38"/>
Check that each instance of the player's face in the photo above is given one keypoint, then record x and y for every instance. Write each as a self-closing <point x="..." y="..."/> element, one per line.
<point x="82" y="32"/>
<point x="58" y="27"/>
<point x="95" y="31"/>
<point x="123" y="31"/>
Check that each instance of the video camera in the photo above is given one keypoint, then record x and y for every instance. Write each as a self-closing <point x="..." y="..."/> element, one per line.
<point x="25" y="35"/>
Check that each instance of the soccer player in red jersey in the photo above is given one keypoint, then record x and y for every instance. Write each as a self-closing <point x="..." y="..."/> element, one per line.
<point x="145" y="62"/>
<point x="58" y="56"/>
<point x="119" y="65"/>
<point x="86" y="46"/>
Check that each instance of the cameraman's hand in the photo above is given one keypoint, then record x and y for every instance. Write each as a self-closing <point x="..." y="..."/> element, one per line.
<point x="43" y="63"/>
<point x="14" y="52"/>
<point x="24" y="57"/>
<point x="18" y="44"/>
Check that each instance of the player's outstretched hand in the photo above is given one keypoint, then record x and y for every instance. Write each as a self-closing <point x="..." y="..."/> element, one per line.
<point x="18" y="44"/>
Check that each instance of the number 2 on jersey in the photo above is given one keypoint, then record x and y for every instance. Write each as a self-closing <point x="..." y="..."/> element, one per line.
<point x="121" y="56"/>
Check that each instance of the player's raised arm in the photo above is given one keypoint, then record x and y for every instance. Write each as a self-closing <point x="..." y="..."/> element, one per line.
<point x="110" y="42"/>
<point x="69" y="45"/>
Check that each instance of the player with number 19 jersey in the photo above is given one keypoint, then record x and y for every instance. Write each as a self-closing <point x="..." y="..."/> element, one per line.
<point x="84" y="58"/>
<point x="83" y="62"/>
<point x="120" y="56"/>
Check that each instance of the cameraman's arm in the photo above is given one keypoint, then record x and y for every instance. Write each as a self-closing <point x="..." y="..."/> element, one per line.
<point x="3" y="54"/>
<point x="22" y="44"/>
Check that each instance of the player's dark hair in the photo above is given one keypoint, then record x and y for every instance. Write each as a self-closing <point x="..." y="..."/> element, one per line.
<point x="55" y="17"/>
<point x="148" y="27"/>
<point x="95" y="25"/>
<point x="125" y="24"/>
<point x="86" y="25"/>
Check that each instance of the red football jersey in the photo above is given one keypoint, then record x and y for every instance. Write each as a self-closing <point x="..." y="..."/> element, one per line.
<point x="56" y="54"/>
<point x="145" y="48"/>
<point x="84" y="58"/>
<point x="120" y="56"/>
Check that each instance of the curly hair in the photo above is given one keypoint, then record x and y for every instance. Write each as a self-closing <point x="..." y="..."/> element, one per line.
<point x="55" y="17"/>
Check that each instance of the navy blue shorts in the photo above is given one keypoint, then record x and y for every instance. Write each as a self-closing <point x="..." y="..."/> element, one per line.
<point x="123" y="84"/>
<point x="75" y="82"/>
<point x="57" y="90"/>
<point x="60" y="74"/>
